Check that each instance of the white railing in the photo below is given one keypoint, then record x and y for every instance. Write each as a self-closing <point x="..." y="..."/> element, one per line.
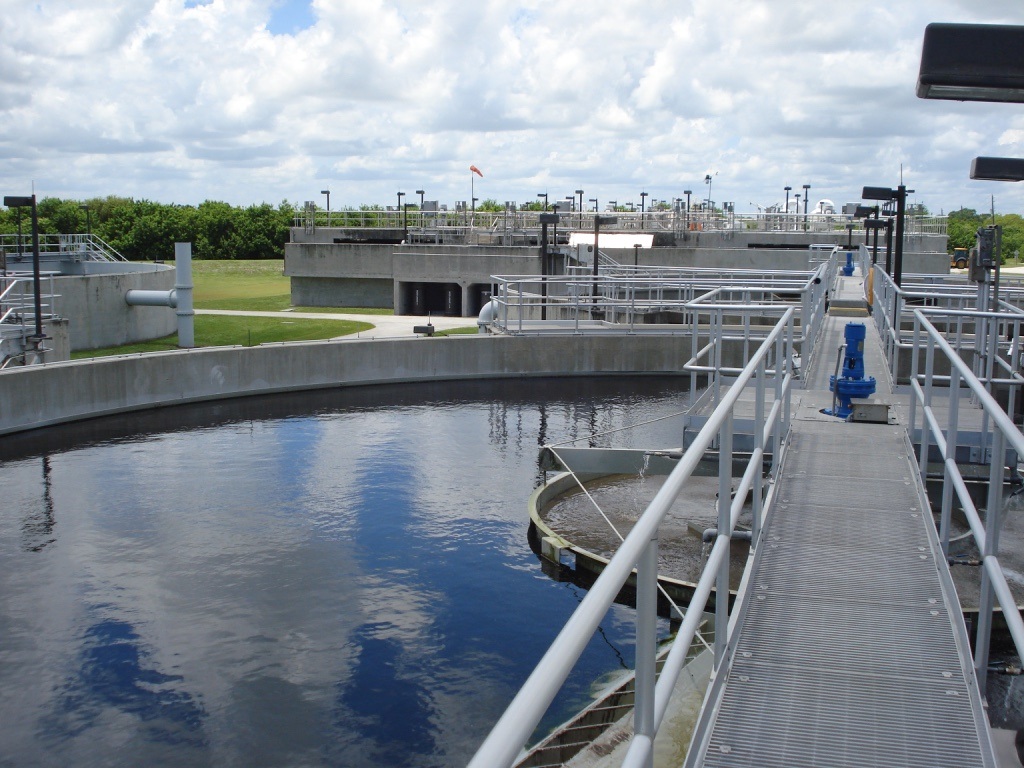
<point x="735" y="314"/>
<point x="625" y="299"/>
<point x="767" y="371"/>
<point x="17" y="299"/>
<point x="952" y="303"/>
<point x="676" y="220"/>
<point x="1004" y="443"/>
<point x="77" y="247"/>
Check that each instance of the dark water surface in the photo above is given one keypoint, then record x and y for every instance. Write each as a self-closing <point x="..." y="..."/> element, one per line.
<point x="332" y="578"/>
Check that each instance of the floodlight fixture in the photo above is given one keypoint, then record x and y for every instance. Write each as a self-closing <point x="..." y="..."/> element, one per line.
<point x="545" y="196"/>
<point x="863" y="211"/>
<point x="997" y="169"/>
<point x="972" y="62"/>
<point x="878" y="193"/>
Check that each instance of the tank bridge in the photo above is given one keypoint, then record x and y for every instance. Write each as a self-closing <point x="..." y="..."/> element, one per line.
<point x="846" y="644"/>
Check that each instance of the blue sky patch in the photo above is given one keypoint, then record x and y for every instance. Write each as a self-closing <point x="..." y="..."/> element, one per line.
<point x="289" y="17"/>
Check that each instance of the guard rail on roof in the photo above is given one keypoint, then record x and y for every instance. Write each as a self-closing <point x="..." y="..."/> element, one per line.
<point x="677" y="220"/>
<point x="75" y="247"/>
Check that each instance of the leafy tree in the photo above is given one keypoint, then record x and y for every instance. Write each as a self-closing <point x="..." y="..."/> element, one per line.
<point x="1013" y="234"/>
<point x="491" y="206"/>
<point x="961" y="227"/>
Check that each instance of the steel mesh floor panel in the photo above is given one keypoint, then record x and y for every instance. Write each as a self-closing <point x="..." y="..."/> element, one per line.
<point x="813" y="718"/>
<point x="898" y="640"/>
<point x="850" y="652"/>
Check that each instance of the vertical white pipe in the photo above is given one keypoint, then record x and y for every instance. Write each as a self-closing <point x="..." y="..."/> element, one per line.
<point x="646" y="645"/>
<point x="724" y="529"/>
<point x="183" y="289"/>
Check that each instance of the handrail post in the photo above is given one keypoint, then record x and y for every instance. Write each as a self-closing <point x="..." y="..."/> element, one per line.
<point x="724" y="529"/>
<point x="913" y="375"/>
<point x="952" y="438"/>
<point x="646" y="645"/>
<point x="991" y="549"/>
<point x="926" y="431"/>
<point x="759" y="428"/>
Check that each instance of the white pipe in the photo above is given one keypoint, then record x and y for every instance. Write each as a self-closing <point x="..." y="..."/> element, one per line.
<point x="487" y="315"/>
<point x="140" y="298"/>
<point x="183" y="295"/>
<point x="178" y="298"/>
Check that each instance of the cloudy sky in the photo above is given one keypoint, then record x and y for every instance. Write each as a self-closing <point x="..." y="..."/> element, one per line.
<point x="252" y="101"/>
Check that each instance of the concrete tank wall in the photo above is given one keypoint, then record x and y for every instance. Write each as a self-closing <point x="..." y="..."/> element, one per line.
<point x="91" y="297"/>
<point x="49" y="394"/>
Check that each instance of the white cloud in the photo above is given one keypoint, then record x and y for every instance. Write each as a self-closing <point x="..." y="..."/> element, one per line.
<point x="185" y="101"/>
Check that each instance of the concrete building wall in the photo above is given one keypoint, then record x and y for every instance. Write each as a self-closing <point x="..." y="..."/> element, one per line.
<point x="342" y="292"/>
<point x="42" y="395"/>
<point x="91" y="297"/>
<point x="424" y="278"/>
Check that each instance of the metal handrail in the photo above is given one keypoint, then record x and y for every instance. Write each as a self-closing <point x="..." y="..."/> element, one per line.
<point x="1001" y="434"/>
<point x="639" y="549"/>
<point x="622" y="296"/>
<point x="675" y="219"/>
<point x="80" y="246"/>
<point x="955" y="299"/>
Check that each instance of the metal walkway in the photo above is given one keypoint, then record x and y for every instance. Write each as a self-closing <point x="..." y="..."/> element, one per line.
<point x="849" y="647"/>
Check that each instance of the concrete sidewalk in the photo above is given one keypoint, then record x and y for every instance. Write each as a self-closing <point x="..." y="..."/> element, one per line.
<point x="384" y="326"/>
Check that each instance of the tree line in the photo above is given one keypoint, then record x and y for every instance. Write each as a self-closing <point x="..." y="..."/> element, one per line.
<point x="963" y="225"/>
<point x="142" y="230"/>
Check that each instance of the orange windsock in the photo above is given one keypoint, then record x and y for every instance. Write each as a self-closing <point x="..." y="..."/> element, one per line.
<point x="476" y="170"/>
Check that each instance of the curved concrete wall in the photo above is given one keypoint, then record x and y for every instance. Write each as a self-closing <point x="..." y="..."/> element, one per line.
<point x="91" y="297"/>
<point x="43" y="395"/>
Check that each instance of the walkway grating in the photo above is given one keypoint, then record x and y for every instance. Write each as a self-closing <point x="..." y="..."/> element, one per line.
<point x="850" y="648"/>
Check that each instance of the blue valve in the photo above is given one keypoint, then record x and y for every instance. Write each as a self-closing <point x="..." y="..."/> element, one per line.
<point x="848" y="269"/>
<point x="852" y="382"/>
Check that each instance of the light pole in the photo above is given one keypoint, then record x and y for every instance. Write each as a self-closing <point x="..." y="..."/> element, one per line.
<point x="545" y="257"/>
<point x="687" y="192"/>
<point x="420" y="192"/>
<point x="807" y="194"/>
<point x="643" y="202"/>
<point x="30" y="202"/>
<point x="545" y="196"/>
<point x="707" y="180"/>
<point x="328" y="193"/>
<point x="400" y="196"/>
<point x="636" y="254"/>
<point x="797" y="196"/>
<point x="598" y="221"/>
<point x="88" y="220"/>
<point x="579" y="193"/>
<point x="786" y="209"/>
<point x="900" y="196"/>
<point x="594" y="201"/>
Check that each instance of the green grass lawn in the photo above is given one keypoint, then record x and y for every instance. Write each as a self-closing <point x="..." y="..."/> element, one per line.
<point x="246" y="285"/>
<point x="220" y="331"/>
<point x="260" y="286"/>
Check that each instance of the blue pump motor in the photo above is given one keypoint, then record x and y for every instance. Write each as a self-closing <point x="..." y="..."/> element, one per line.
<point x="852" y="382"/>
<point x="848" y="269"/>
